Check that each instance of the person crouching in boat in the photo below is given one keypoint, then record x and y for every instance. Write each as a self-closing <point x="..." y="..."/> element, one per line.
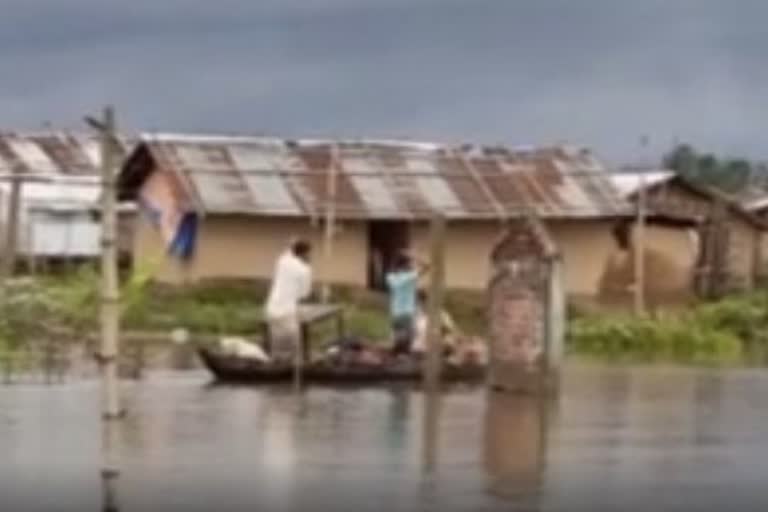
<point x="448" y="330"/>
<point x="292" y="283"/>
<point x="458" y="348"/>
<point x="402" y="282"/>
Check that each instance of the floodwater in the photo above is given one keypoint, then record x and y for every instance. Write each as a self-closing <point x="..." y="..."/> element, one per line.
<point x="619" y="438"/>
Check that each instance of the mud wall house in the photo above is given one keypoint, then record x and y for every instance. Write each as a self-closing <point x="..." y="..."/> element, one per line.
<point x="758" y="207"/>
<point x="59" y="195"/>
<point x="224" y="207"/>
<point x="728" y="239"/>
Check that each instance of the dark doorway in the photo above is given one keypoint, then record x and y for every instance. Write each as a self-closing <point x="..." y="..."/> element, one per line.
<point x="385" y="240"/>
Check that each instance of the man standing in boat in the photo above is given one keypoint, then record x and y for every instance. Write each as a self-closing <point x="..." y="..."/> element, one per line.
<point x="292" y="283"/>
<point x="403" y="283"/>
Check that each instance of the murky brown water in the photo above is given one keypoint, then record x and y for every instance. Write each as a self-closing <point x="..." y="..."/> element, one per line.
<point x="619" y="439"/>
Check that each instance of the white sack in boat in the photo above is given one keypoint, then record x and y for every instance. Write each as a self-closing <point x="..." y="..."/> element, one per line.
<point x="241" y="347"/>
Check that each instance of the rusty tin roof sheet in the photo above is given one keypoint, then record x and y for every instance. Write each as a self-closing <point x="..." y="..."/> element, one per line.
<point x="376" y="179"/>
<point x="52" y="153"/>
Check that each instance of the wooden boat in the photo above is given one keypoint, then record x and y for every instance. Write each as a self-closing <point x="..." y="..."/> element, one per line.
<point x="228" y="368"/>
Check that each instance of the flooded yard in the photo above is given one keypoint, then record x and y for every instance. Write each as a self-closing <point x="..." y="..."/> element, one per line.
<point x="619" y="438"/>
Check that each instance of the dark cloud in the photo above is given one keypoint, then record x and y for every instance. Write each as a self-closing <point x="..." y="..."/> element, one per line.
<point x="598" y="72"/>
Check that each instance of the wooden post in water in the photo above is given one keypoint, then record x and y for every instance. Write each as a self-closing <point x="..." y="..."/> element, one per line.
<point x="435" y="303"/>
<point x="433" y="361"/>
<point x="110" y="311"/>
<point x="110" y="294"/>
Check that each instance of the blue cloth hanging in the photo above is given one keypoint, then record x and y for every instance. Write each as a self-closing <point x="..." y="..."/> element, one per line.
<point x="183" y="245"/>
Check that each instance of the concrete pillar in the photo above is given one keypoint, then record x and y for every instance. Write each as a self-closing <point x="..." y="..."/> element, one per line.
<point x="526" y="313"/>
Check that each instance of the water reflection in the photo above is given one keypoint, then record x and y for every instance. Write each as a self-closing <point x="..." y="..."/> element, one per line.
<point x="110" y="470"/>
<point x="431" y="432"/>
<point x="619" y="439"/>
<point x="515" y="446"/>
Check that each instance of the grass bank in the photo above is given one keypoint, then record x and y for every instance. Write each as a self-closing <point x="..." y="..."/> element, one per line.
<point x="32" y="310"/>
<point x="721" y="331"/>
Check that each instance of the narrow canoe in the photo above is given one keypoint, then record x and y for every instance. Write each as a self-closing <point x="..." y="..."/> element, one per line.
<point x="228" y="368"/>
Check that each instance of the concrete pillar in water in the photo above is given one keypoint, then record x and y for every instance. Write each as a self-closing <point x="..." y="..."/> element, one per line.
<point x="526" y="311"/>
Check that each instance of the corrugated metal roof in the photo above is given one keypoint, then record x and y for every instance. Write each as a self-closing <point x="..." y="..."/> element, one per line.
<point x="71" y="193"/>
<point x="757" y="203"/>
<point x="629" y="183"/>
<point x="62" y="168"/>
<point x="379" y="179"/>
<point x="52" y="153"/>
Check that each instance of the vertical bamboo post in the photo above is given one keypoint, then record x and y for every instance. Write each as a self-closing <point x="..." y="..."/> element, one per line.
<point x="639" y="245"/>
<point x="435" y="306"/>
<point x="330" y="225"/>
<point x="110" y="312"/>
<point x="434" y="342"/>
<point x="12" y="225"/>
<point x="110" y="307"/>
<point x="31" y="253"/>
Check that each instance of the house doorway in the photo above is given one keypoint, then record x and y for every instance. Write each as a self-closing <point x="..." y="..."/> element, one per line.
<point x="386" y="239"/>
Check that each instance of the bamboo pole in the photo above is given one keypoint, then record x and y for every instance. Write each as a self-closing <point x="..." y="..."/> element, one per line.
<point x="110" y="307"/>
<point x="639" y="245"/>
<point x="434" y="343"/>
<point x="435" y="306"/>
<point x="639" y="250"/>
<point x="330" y="225"/>
<point x="110" y="314"/>
<point x="31" y="256"/>
<point x="12" y="225"/>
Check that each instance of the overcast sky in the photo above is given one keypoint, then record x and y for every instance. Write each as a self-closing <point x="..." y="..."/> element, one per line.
<point x="594" y="72"/>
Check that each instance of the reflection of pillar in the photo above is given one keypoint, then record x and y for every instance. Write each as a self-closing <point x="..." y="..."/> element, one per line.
<point x="515" y="443"/>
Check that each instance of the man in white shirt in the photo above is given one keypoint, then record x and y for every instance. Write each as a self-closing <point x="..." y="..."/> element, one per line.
<point x="291" y="284"/>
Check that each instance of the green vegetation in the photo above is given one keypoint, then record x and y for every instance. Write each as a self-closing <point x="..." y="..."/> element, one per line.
<point x="66" y="309"/>
<point x="720" y="331"/>
<point x="652" y="339"/>
<point x="728" y="174"/>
